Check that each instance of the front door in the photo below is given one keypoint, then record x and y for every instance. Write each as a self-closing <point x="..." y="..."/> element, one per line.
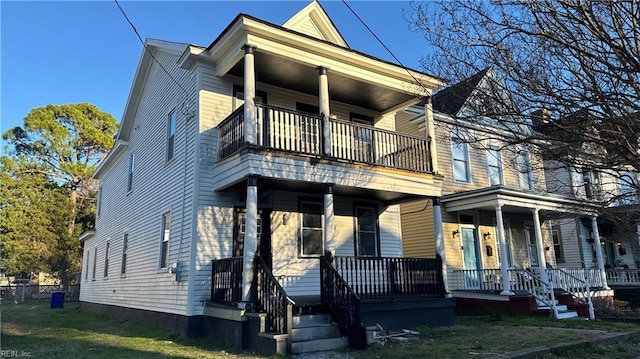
<point x="471" y="254"/>
<point x="532" y="247"/>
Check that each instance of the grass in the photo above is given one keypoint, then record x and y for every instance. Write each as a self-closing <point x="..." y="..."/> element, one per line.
<point x="70" y="333"/>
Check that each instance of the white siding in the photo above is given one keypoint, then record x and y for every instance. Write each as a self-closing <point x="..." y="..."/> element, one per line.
<point x="158" y="187"/>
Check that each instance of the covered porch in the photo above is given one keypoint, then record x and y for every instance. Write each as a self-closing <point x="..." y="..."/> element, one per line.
<point x="506" y="249"/>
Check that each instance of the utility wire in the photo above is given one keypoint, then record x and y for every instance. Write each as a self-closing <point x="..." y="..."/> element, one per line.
<point x="146" y="49"/>
<point x="386" y="48"/>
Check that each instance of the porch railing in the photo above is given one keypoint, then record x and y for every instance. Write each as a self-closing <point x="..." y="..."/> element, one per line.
<point x="472" y="279"/>
<point x="523" y="280"/>
<point x="272" y="299"/>
<point x="336" y="293"/>
<point x="391" y="277"/>
<point x="578" y="288"/>
<point x="226" y="280"/>
<point x="627" y="277"/>
<point x="295" y="131"/>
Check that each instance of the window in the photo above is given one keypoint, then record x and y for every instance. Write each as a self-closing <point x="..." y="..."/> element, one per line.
<point x="241" y="227"/>
<point x="557" y="244"/>
<point x="106" y="260"/>
<point x="311" y="238"/>
<point x="86" y="266"/>
<point x="171" y="134"/>
<point x="98" y="210"/>
<point x="460" y="154"/>
<point x="132" y="163"/>
<point x="366" y="232"/>
<point x="164" y="245"/>
<point x="523" y="168"/>
<point x="494" y="165"/>
<point x="628" y="188"/>
<point x="95" y="261"/>
<point x="125" y="249"/>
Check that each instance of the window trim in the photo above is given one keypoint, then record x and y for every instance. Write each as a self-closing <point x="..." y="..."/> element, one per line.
<point x="99" y="201"/>
<point x="165" y="236"/>
<point x="561" y="258"/>
<point x="172" y="121"/>
<point x="527" y="175"/>
<point x="458" y="141"/>
<point x="301" y="227"/>
<point x="132" y="165"/>
<point x="490" y="150"/>
<point x="95" y="263"/>
<point x="86" y="276"/>
<point x="125" y="252"/>
<point x="106" y="259"/>
<point x="356" y="232"/>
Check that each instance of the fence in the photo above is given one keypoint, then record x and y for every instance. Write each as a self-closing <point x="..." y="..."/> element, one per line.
<point x="37" y="293"/>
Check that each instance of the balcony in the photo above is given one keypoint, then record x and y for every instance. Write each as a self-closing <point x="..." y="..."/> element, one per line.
<point x="299" y="133"/>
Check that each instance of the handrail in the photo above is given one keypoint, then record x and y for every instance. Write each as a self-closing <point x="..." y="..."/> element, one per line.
<point x="226" y="280"/>
<point x="527" y="281"/>
<point x="336" y="293"/>
<point x="572" y="284"/>
<point x="272" y="299"/>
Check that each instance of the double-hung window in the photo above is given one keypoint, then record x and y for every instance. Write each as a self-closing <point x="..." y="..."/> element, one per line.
<point x="95" y="262"/>
<point x="171" y="134"/>
<point x="311" y="237"/>
<point x="494" y="165"/>
<point x="106" y="260"/>
<point x="524" y="170"/>
<point x="557" y="244"/>
<point x="125" y="250"/>
<point x="164" y="244"/>
<point x="366" y="232"/>
<point x="132" y="166"/>
<point x="460" y="155"/>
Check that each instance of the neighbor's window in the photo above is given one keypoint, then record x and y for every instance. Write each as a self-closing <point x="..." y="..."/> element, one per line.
<point x="311" y="238"/>
<point x="460" y="155"/>
<point x="99" y="209"/>
<point x="366" y="232"/>
<point x="628" y="188"/>
<point x="86" y="266"/>
<point x="132" y="164"/>
<point x="164" y="245"/>
<point x="106" y="260"/>
<point x="524" y="170"/>
<point x="125" y="249"/>
<point x="95" y="261"/>
<point x="494" y="165"/>
<point x="557" y="244"/>
<point x="171" y="134"/>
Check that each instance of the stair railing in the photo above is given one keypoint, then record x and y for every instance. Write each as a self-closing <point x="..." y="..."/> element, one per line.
<point x="273" y="300"/>
<point x="336" y="293"/>
<point x="524" y="280"/>
<point x="576" y="287"/>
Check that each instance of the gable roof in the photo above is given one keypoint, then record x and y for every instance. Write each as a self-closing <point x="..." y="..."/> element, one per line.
<point x="314" y="21"/>
<point x="451" y="99"/>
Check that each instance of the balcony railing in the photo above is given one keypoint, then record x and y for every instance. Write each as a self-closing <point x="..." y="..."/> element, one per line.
<point x="284" y="129"/>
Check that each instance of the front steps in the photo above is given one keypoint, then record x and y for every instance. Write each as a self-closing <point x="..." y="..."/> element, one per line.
<point x="315" y="332"/>
<point x="563" y="311"/>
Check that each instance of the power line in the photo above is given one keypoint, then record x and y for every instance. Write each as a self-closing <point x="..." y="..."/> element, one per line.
<point x="146" y="49"/>
<point x="386" y="48"/>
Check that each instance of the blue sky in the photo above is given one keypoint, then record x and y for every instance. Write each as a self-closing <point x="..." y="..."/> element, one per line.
<point x="68" y="52"/>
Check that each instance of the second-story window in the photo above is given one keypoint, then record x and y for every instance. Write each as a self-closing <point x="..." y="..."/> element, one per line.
<point x="460" y="156"/>
<point x="494" y="165"/>
<point x="524" y="169"/>
<point x="171" y="134"/>
<point x="132" y="165"/>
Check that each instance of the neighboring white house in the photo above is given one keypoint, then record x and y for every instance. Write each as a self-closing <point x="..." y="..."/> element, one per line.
<point x="273" y="140"/>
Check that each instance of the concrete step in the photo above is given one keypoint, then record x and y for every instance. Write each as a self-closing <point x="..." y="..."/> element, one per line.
<point x="559" y="307"/>
<point x="317" y="345"/>
<point x="567" y="314"/>
<point x="310" y="320"/>
<point x="322" y="331"/>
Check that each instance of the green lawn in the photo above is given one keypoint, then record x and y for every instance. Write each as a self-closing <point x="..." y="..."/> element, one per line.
<point x="70" y="333"/>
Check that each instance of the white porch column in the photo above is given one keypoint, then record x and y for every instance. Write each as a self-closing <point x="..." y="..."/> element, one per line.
<point x="595" y="234"/>
<point x="438" y="233"/>
<point x="504" y="256"/>
<point x="250" y="239"/>
<point x="250" y="136"/>
<point x="431" y="133"/>
<point x="329" y="242"/>
<point x="325" y="111"/>
<point x="542" y="260"/>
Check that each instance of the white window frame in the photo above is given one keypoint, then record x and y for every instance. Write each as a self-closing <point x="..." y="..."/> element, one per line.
<point x="556" y="229"/>
<point x="95" y="263"/>
<point x="171" y="134"/>
<point x="455" y="141"/>
<point x="165" y="234"/>
<point x="86" y="267"/>
<point x="132" y="164"/>
<point x="106" y="259"/>
<point x="125" y="252"/>
<point x="524" y="169"/>
<point x="493" y="153"/>
<point x="302" y="254"/>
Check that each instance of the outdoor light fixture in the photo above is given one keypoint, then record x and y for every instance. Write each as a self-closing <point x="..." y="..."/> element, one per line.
<point x="486" y="235"/>
<point x="285" y="219"/>
<point x="455" y="233"/>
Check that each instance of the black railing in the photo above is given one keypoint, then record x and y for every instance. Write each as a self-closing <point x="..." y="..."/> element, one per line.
<point x="343" y="301"/>
<point x="226" y="280"/>
<point x="284" y="129"/>
<point x="392" y="277"/>
<point x="272" y="299"/>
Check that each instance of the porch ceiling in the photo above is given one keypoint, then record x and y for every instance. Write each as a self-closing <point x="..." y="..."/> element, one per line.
<point x="514" y="201"/>
<point x="287" y="73"/>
